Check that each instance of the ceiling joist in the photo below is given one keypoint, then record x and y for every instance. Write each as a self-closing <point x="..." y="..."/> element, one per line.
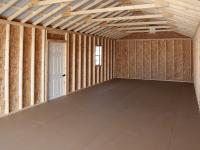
<point x="121" y="8"/>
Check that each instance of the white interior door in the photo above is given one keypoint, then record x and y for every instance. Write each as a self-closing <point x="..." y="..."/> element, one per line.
<point x="57" y="70"/>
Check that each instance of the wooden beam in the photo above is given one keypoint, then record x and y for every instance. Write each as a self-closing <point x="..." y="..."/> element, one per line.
<point x="21" y="42"/>
<point x="49" y="2"/>
<point x="32" y="100"/>
<point x="141" y="31"/>
<point x="7" y="5"/>
<point x="20" y="11"/>
<point x="81" y="17"/>
<point x="79" y="71"/>
<point x="73" y="63"/>
<point x="84" y="61"/>
<point x="6" y="72"/>
<point x="129" y="18"/>
<point x="49" y="14"/>
<point x="34" y="13"/>
<point x="136" y="23"/>
<point x="43" y="66"/>
<point x="61" y="15"/>
<point x="89" y="60"/>
<point x="120" y="8"/>
<point x="145" y="27"/>
<point x="93" y="62"/>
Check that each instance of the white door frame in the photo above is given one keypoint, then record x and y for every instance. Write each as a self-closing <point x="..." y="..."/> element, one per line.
<point x="47" y="66"/>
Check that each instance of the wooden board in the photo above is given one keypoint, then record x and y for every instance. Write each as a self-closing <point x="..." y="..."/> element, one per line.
<point x="162" y="59"/>
<point x="14" y="68"/>
<point x="139" y="59"/>
<point x="38" y="64"/>
<point x="2" y="63"/>
<point x="152" y="59"/>
<point x="147" y="59"/>
<point x="27" y="67"/>
<point x="170" y="59"/>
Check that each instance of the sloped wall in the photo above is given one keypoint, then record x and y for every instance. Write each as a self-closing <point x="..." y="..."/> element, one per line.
<point x="196" y="45"/>
<point x="155" y="59"/>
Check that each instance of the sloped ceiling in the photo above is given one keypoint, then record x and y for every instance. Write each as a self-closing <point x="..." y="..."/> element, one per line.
<point x="181" y="16"/>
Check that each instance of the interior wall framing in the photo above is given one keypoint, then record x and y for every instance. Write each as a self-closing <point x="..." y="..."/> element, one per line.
<point x="196" y="46"/>
<point x="24" y="61"/>
<point x="155" y="59"/>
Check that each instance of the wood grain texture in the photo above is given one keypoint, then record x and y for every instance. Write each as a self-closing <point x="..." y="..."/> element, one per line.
<point x="14" y="68"/>
<point x="147" y="59"/>
<point x="170" y="59"/>
<point x="38" y="64"/>
<point x="196" y="71"/>
<point x="139" y="59"/>
<point x="162" y="59"/>
<point x="132" y="59"/>
<point x="2" y="64"/>
<point x="178" y="60"/>
<point x="152" y="59"/>
<point x="27" y="67"/>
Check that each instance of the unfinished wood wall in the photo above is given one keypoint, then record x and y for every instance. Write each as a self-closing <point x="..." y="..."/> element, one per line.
<point x="23" y="68"/>
<point x="155" y="59"/>
<point x="82" y="70"/>
<point x="20" y="70"/>
<point x="196" y="45"/>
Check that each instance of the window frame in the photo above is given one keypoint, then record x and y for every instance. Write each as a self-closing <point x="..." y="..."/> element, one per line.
<point x="98" y="55"/>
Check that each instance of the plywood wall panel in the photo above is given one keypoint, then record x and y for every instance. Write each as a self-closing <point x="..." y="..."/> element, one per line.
<point x="27" y="67"/>
<point x="154" y="59"/>
<point x="170" y="59"/>
<point x="79" y="63"/>
<point x="14" y="68"/>
<point x="187" y="60"/>
<point x="178" y="60"/>
<point x="38" y="64"/>
<point x="2" y="63"/>
<point x="162" y="59"/>
<point x="139" y="59"/>
<point x="147" y="59"/>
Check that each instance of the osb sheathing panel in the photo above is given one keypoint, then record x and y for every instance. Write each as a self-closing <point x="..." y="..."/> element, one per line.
<point x="27" y="66"/>
<point x="2" y="62"/>
<point x="132" y="59"/>
<point x="147" y="59"/>
<point x="55" y="36"/>
<point x="70" y="61"/>
<point x="187" y="63"/>
<point x="170" y="59"/>
<point x="178" y="60"/>
<point x="139" y="59"/>
<point x="14" y="68"/>
<point x="154" y="59"/>
<point x="157" y="35"/>
<point x="196" y="54"/>
<point x="164" y="59"/>
<point x="38" y="64"/>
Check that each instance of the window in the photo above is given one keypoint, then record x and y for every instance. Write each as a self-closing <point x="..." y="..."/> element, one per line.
<point x="98" y="54"/>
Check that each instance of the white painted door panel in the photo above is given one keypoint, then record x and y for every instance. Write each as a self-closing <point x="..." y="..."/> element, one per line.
<point x="56" y="70"/>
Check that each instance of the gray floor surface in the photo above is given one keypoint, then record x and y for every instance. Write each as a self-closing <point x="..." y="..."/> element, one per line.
<point x="116" y="115"/>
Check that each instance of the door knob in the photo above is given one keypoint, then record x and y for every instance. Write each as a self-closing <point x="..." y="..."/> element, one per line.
<point x="64" y="75"/>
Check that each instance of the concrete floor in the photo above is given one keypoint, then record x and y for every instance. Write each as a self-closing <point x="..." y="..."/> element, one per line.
<point x="117" y="115"/>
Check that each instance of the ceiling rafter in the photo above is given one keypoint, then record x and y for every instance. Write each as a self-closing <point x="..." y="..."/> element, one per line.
<point x="120" y="8"/>
<point x="7" y="5"/>
<point x="51" y="13"/>
<point x="84" y="16"/>
<point x="49" y="2"/>
<point x="61" y="15"/>
<point x="93" y="16"/>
